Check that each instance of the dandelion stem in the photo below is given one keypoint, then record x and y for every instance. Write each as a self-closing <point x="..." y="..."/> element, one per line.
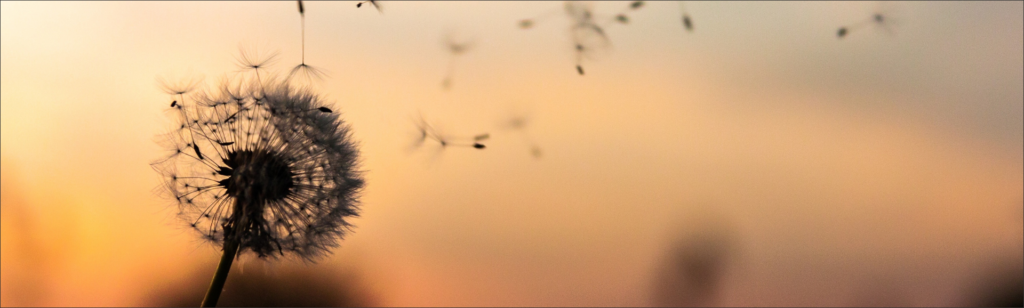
<point x="217" y="285"/>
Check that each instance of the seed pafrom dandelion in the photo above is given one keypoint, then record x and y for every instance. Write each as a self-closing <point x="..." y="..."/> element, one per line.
<point x="427" y="132"/>
<point x="587" y="29"/>
<point x="304" y="73"/>
<point x="455" y="47"/>
<point x="882" y="18"/>
<point x="374" y="3"/>
<point x="519" y="124"/>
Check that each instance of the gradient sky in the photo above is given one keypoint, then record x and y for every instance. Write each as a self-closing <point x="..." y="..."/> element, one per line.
<point x="841" y="167"/>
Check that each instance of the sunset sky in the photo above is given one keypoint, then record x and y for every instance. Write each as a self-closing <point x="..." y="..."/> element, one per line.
<point x="883" y="168"/>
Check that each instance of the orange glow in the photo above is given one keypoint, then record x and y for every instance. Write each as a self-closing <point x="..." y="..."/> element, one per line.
<point x="876" y="169"/>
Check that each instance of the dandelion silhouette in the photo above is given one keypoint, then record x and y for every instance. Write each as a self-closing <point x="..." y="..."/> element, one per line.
<point x="882" y="18"/>
<point x="455" y="48"/>
<point x="374" y="3"/>
<point x="261" y="168"/>
<point x="687" y="22"/>
<point x="308" y="74"/>
<point x="587" y="29"/>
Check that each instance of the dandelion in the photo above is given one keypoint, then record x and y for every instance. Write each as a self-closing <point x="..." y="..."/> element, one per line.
<point x="519" y="123"/>
<point x="181" y="86"/>
<point x="426" y="132"/>
<point x="252" y="58"/>
<point x="455" y="48"/>
<point x="307" y="73"/>
<point x="587" y="29"/>
<point x="882" y="18"/>
<point x="687" y="22"/>
<point x="255" y="60"/>
<point x="622" y="17"/>
<point x="587" y="35"/>
<point x="374" y="3"/>
<point x="260" y="168"/>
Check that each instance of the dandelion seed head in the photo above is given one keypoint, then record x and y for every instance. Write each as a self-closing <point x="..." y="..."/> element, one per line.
<point x="281" y="182"/>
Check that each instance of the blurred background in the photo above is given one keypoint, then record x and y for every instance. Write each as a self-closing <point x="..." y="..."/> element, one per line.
<point x="757" y="160"/>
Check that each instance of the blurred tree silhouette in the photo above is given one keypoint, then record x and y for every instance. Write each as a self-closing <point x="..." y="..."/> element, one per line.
<point x="1001" y="285"/>
<point x="692" y="273"/>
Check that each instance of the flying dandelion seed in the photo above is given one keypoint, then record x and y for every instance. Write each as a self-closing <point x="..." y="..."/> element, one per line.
<point x="530" y="22"/>
<point x="587" y="29"/>
<point x="687" y="22"/>
<point x="519" y="124"/>
<point x="622" y="17"/>
<point x="305" y="73"/>
<point x="455" y="47"/>
<point x="882" y="18"/>
<point x="374" y="3"/>
<point x="587" y="35"/>
<point x="426" y="132"/>
<point x="526" y="23"/>
<point x="263" y="168"/>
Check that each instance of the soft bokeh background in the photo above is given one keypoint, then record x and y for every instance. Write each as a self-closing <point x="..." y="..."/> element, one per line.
<point x="758" y="160"/>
